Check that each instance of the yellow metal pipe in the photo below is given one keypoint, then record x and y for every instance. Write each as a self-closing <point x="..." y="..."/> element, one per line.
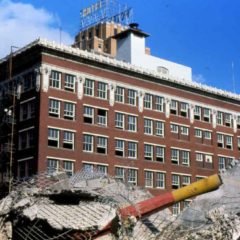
<point x="202" y="186"/>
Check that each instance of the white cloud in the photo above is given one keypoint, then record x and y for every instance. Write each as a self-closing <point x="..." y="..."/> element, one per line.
<point x="22" y="23"/>
<point x="198" y="78"/>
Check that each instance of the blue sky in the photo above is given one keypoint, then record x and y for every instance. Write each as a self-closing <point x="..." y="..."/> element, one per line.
<point x="202" y="34"/>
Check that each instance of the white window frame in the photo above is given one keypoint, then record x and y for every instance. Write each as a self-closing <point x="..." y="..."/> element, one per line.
<point x="229" y="142"/>
<point x="88" y="113"/>
<point x="132" y="123"/>
<point x="68" y="167"/>
<point x="174" y="107"/>
<point x="89" y="87"/>
<point x="148" y="126"/>
<point x="148" y="152"/>
<point x="198" y="113"/>
<point x="102" y="143"/>
<point x="160" y="153"/>
<point x="101" y="119"/>
<point x="198" y="133"/>
<point x="221" y="163"/>
<point x="220" y="140"/>
<point x="120" y="146"/>
<point x="176" y="209"/>
<point x="159" y="101"/>
<point x="88" y="145"/>
<point x="52" y="165"/>
<point x="132" y="150"/>
<point x="184" y="130"/>
<point x="184" y="109"/>
<point x="102" y="90"/>
<point x="120" y="173"/>
<point x="69" y="110"/>
<point x="219" y="118"/>
<point x="148" y="101"/>
<point x="55" y="79"/>
<point x="159" y="128"/>
<point x="54" y="108"/>
<point x="186" y="180"/>
<point x="207" y="135"/>
<point x="199" y="157"/>
<point x="174" y="128"/>
<point x="160" y="180"/>
<point x="148" y="179"/>
<point x="132" y="97"/>
<point x="175" y="156"/>
<point x="206" y="114"/>
<point x="176" y="181"/>
<point x="132" y="176"/>
<point x="68" y="138"/>
<point x="119" y="120"/>
<point x="119" y="94"/>
<point x="185" y="158"/>
<point x="69" y="83"/>
<point x="53" y="135"/>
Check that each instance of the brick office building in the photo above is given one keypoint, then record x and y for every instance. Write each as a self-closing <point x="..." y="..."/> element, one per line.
<point x="81" y="110"/>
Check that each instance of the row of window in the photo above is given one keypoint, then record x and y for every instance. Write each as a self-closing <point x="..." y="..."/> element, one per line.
<point x="27" y="110"/>
<point x="129" y="96"/>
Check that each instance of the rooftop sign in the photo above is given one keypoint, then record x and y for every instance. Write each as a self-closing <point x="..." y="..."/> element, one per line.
<point x="104" y="11"/>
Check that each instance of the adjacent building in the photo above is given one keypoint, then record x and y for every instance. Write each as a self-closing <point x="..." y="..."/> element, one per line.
<point x="63" y="108"/>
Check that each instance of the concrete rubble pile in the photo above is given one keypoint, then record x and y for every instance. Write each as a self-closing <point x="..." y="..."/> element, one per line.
<point x="80" y="207"/>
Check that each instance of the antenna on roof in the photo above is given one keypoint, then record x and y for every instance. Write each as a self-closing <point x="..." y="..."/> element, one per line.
<point x="233" y="78"/>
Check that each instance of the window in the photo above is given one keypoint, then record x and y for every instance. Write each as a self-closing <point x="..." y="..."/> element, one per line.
<point x="55" y="79"/>
<point x="27" y="110"/>
<point x="120" y="173"/>
<point x="198" y="133"/>
<point x="160" y="128"/>
<point x="185" y="158"/>
<point x="207" y="135"/>
<point x="186" y="180"/>
<point x="148" y="152"/>
<point x="26" y="139"/>
<point x="197" y="113"/>
<point x="160" y="180"/>
<point x="238" y="122"/>
<point x="238" y="142"/>
<point x="175" y="156"/>
<point x="173" y="107"/>
<point x="119" y="120"/>
<point x="89" y="87"/>
<point x="175" y="181"/>
<point x="132" y="123"/>
<point x="184" y="130"/>
<point x="176" y="209"/>
<point x="148" y="179"/>
<point x="159" y="103"/>
<point x="52" y="166"/>
<point x="206" y="114"/>
<point x="221" y="163"/>
<point x="220" y="140"/>
<point x="88" y="167"/>
<point x="132" y="176"/>
<point x="102" y="145"/>
<point x="208" y="158"/>
<point x="119" y="148"/>
<point x="132" y="97"/>
<point x="132" y="150"/>
<point x="229" y="142"/>
<point x="199" y="157"/>
<point x="88" y="116"/>
<point x="102" y="90"/>
<point x="184" y="109"/>
<point x="119" y="95"/>
<point x="159" y="154"/>
<point x="68" y="167"/>
<point x="54" y="108"/>
<point x="228" y="120"/>
<point x="148" y="101"/>
<point x="219" y="118"/>
<point x="87" y="143"/>
<point x="69" y="84"/>
<point x="102" y="169"/>
<point x="148" y="126"/>
<point x="69" y="111"/>
<point x="53" y="137"/>
<point x="68" y="140"/>
<point x="102" y="117"/>
<point x="174" y="128"/>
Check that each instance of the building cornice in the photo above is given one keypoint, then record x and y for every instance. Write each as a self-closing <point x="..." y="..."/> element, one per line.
<point x="153" y="75"/>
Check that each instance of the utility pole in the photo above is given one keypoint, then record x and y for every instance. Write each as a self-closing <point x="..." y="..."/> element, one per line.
<point x="14" y="89"/>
